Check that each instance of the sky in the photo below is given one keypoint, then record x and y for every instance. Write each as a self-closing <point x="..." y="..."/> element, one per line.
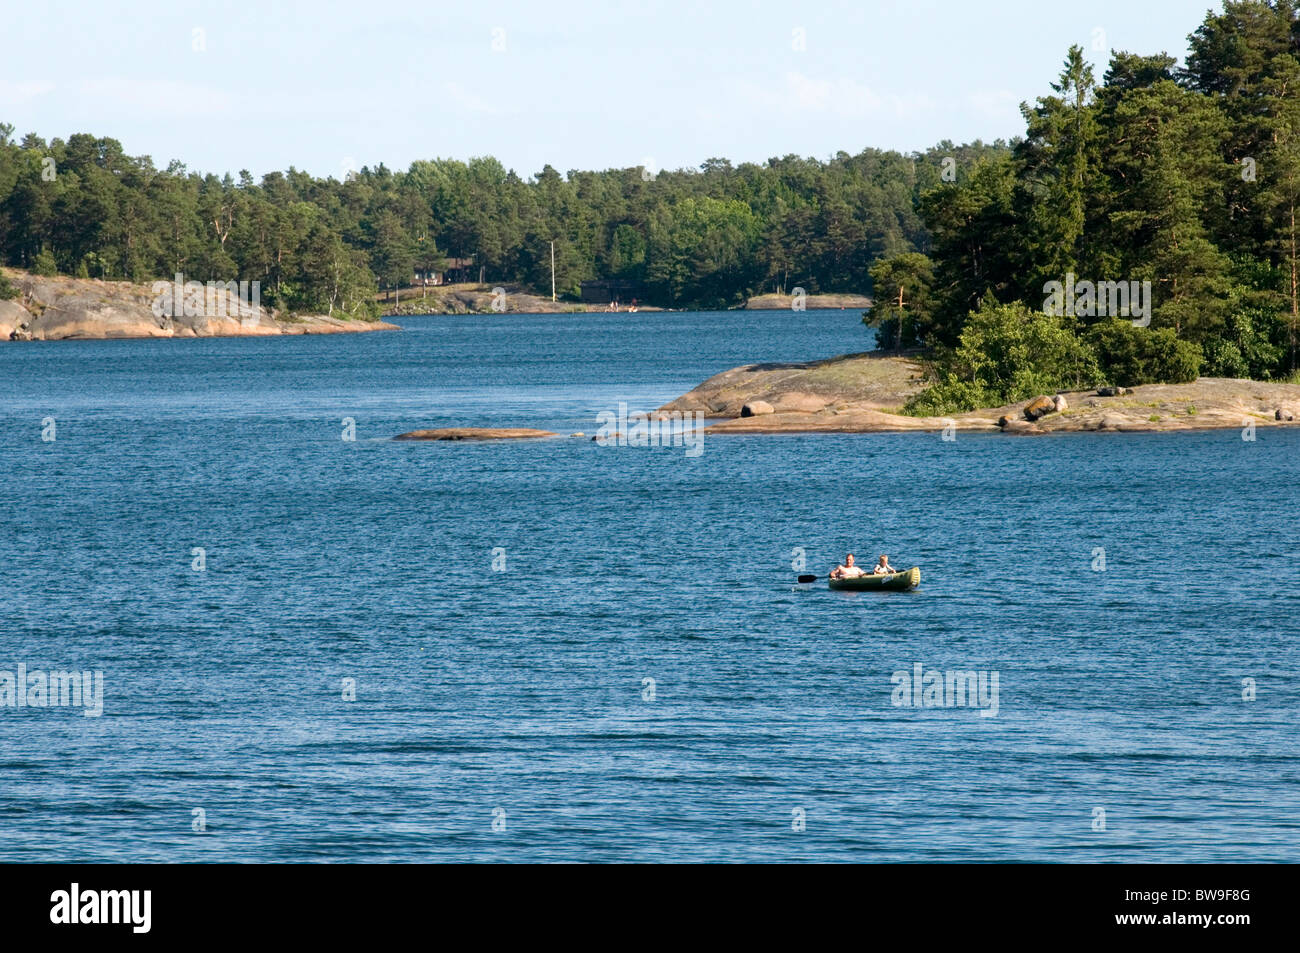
<point x="329" y="87"/>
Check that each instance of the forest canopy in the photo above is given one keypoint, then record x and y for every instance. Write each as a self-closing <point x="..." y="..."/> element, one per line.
<point x="691" y="238"/>
<point x="1178" y="184"/>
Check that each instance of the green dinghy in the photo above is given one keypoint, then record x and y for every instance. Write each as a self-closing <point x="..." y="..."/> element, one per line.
<point x="903" y="581"/>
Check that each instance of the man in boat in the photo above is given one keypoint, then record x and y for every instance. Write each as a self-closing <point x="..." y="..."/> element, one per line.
<point x="848" y="570"/>
<point x="883" y="568"/>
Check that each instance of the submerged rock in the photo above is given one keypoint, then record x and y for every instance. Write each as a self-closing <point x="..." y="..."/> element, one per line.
<point x="475" y="433"/>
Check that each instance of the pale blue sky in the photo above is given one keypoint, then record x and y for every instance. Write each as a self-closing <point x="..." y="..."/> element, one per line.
<point x="590" y="85"/>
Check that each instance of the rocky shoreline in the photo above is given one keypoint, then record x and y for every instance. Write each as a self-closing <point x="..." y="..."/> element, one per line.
<point x="812" y="302"/>
<point x="864" y="393"/>
<point x="477" y="298"/>
<point x="61" y="308"/>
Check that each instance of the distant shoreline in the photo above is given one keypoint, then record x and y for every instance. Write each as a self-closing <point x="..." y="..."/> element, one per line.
<point x="482" y="298"/>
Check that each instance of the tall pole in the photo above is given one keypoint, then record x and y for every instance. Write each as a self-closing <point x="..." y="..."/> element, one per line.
<point x="552" y="271"/>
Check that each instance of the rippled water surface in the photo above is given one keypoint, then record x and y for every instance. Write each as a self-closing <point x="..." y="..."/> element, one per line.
<point x="522" y="696"/>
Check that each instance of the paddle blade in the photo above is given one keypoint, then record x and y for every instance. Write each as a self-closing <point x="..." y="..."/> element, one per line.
<point x="807" y="578"/>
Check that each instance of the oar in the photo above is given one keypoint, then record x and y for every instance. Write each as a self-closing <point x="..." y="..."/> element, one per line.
<point x="815" y="578"/>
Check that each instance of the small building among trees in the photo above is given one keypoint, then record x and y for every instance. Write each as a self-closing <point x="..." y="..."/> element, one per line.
<point x="607" y="290"/>
<point x="452" y="271"/>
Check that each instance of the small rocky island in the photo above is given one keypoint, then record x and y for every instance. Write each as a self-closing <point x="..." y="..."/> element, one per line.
<point x="865" y="393"/>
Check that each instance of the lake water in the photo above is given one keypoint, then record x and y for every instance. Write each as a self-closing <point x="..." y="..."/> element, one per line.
<point x="509" y="715"/>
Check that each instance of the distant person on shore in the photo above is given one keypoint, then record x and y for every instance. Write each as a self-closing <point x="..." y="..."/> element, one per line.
<point x="883" y="567"/>
<point x="848" y="570"/>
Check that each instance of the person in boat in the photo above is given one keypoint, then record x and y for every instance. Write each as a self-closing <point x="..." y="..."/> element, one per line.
<point x="883" y="567"/>
<point x="848" y="570"/>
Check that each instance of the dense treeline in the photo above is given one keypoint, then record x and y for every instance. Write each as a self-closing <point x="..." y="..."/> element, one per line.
<point x="709" y="237"/>
<point x="1187" y="178"/>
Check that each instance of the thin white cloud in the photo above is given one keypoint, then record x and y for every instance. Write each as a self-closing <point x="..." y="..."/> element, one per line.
<point x="1000" y="105"/>
<point x="466" y="101"/>
<point x="839" y="97"/>
<point x="153" y="99"/>
<point x="16" y="94"/>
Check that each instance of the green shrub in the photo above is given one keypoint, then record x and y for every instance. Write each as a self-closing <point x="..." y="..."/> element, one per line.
<point x="1252" y="345"/>
<point x="7" y="289"/>
<point x="1224" y="359"/>
<point x="1007" y="353"/>
<point x="1131" y="356"/>
<point x="949" y="396"/>
<point x="45" y="264"/>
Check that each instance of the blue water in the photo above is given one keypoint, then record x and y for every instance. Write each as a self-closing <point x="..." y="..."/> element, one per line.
<point x="521" y="695"/>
